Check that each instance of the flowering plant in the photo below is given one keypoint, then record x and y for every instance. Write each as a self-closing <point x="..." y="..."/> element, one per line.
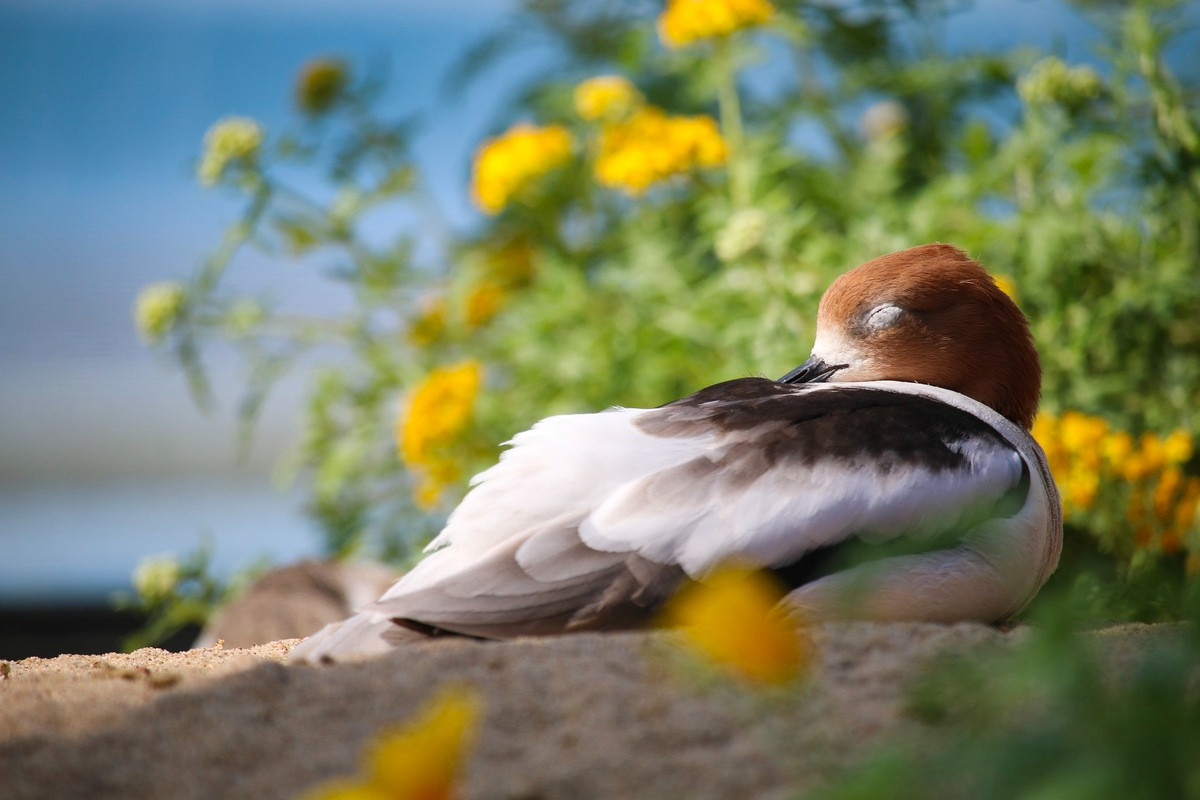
<point x="650" y="224"/>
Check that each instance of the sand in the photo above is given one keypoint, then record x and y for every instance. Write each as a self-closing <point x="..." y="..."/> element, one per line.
<point x="582" y="716"/>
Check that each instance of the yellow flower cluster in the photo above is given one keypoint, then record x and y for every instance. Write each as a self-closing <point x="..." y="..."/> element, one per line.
<point x="606" y="97"/>
<point x="685" y="21"/>
<point x="230" y="140"/>
<point x="733" y="618"/>
<point x="651" y="145"/>
<point x="1091" y="463"/>
<point x="431" y="419"/>
<point x="418" y="761"/>
<point x="507" y="163"/>
<point x="156" y="310"/>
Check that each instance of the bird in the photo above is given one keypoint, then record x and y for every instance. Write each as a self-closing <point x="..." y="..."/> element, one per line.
<point x="891" y="476"/>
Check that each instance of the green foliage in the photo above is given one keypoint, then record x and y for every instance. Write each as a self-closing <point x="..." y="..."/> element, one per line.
<point x="1084" y="191"/>
<point x="173" y="594"/>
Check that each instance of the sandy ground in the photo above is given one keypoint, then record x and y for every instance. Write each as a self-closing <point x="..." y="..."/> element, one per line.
<point x="584" y="716"/>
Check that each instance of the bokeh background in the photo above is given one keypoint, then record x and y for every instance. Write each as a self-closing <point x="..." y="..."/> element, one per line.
<point x="104" y="456"/>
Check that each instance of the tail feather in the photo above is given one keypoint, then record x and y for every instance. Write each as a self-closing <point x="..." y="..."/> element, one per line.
<point x="364" y="634"/>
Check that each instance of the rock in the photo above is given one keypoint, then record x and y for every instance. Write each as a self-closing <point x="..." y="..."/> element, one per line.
<point x="296" y="600"/>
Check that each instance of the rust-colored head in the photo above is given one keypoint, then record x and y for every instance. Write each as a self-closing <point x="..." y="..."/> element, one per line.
<point x="929" y="314"/>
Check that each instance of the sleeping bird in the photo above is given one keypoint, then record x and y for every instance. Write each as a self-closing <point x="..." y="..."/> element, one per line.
<point x="891" y="476"/>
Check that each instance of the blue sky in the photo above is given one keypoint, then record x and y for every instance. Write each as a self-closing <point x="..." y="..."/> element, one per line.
<point x="104" y="105"/>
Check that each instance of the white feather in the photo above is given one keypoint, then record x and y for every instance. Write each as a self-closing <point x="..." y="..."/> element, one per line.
<point x="576" y="497"/>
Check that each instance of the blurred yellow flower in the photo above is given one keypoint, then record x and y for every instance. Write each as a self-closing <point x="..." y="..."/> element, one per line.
<point x="684" y="21"/>
<point x="1153" y="452"/>
<point x="1006" y="285"/>
<point x="1082" y="433"/>
<point x="320" y="84"/>
<point x="651" y="146"/>
<point x="1135" y="467"/>
<point x="229" y="140"/>
<point x="421" y="760"/>
<point x="1080" y="488"/>
<point x="733" y="617"/>
<point x="1168" y="484"/>
<point x="429" y="421"/>
<point x="1117" y="448"/>
<point x="1178" y="446"/>
<point x="483" y="301"/>
<point x="1099" y="467"/>
<point x="157" y="309"/>
<point x="606" y="97"/>
<point x="507" y="163"/>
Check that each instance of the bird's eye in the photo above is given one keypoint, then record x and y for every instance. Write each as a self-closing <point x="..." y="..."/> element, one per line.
<point x="883" y="316"/>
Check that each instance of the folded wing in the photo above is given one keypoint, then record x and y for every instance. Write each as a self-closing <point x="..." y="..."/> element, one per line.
<point x="591" y="521"/>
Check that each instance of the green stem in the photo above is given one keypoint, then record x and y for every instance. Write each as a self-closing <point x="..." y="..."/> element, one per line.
<point x="235" y="237"/>
<point x="730" y="109"/>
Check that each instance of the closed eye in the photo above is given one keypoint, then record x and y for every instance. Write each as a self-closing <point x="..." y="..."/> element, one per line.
<point x="883" y="316"/>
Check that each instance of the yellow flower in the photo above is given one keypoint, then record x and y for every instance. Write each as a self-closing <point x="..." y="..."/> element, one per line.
<point x="1135" y="467"/>
<point x="320" y="84"/>
<point x="429" y="421"/>
<point x="651" y="146"/>
<point x="157" y="309"/>
<point x="421" y="760"/>
<point x="1043" y="430"/>
<point x="1082" y="433"/>
<point x="686" y="21"/>
<point x="1117" y="448"/>
<point x="1177" y="447"/>
<point x="484" y="300"/>
<point x="1153" y="452"/>
<point x="1006" y="285"/>
<point x="506" y="164"/>
<point x="1185" y="510"/>
<point x="1164" y="493"/>
<point x="1080" y="489"/>
<point x="230" y="140"/>
<point x="733" y="618"/>
<point x="438" y="410"/>
<point x="606" y="97"/>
